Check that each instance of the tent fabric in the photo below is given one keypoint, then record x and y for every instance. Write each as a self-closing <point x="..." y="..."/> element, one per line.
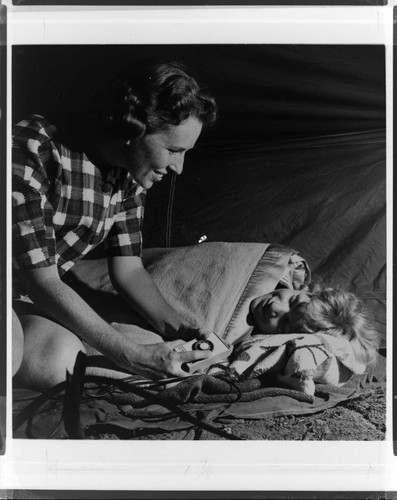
<point x="324" y="196"/>
<point x="265" y="92"/>
<point x="296" y="157"/>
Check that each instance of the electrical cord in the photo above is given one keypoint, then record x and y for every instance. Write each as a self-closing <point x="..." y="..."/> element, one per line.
<point x="157" y="399"/>
<point x="74" y="387"/>
<point x="169" y="211"/>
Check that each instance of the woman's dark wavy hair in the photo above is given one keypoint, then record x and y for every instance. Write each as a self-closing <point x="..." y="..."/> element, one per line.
<point x="148" y="97"/>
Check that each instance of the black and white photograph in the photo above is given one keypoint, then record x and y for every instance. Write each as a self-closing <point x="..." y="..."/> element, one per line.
<point x="244" y="288"/>
<point x="198" y="246"/>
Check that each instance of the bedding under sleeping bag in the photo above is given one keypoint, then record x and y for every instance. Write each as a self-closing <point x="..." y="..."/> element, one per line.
<point x="211" y="284"/>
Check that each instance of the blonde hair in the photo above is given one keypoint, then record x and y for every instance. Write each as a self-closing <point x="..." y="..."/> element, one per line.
<point x="342" y="314"/>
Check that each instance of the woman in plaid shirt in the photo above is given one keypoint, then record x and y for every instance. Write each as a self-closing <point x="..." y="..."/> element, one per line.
<point x="66" y="202"/>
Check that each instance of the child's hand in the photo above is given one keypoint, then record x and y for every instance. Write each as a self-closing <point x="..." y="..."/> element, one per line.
<point x="194" y="333"/>
<point x="186" y="333"/>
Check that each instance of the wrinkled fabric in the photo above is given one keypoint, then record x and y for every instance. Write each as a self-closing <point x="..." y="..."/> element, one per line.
<point x="299" y="360"/>
<point x="115" y="406"/>
<point x="210" y="285"/>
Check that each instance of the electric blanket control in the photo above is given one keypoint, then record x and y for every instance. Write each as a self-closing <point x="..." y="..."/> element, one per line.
<point x="220" y="351"/>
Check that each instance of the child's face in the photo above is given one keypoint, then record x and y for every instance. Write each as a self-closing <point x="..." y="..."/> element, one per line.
<point x="273" y="312"/>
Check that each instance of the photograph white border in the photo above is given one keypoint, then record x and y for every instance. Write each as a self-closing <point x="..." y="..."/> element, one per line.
<point x="204" y="465"/>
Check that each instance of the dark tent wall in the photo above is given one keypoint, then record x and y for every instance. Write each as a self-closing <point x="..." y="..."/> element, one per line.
<point x="264" y="91"/>
<point x="297" y="156"/>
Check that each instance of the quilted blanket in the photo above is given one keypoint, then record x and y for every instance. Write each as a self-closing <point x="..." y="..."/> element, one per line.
<point x="210" y="285"/>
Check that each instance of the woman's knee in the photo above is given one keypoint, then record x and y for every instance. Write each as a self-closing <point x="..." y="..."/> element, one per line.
<point x="17" y="343"/>
<point x="50" y="351"/>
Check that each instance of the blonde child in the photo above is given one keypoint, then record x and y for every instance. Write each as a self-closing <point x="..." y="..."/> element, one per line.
<point x="317" y="309"/>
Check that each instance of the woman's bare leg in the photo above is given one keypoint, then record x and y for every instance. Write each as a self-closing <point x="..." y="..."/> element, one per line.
<point x="17" y="343"/>
<point x="49" y="351"/>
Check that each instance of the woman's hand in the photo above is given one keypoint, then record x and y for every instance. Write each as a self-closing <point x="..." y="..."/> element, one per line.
<point x="158" y="361"/>
<point x="137" y="287"/>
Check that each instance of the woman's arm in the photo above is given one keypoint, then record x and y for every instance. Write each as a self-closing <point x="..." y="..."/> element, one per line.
<point x="60" y="302"/>
<point x="136" y="286"/>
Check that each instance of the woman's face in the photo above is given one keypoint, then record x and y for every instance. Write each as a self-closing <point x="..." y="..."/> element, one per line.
<point x="275" y="311"/>
<point x="154" y="155"/>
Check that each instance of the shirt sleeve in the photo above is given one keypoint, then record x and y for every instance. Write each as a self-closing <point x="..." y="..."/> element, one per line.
<point x="125" y="236"/>
<point x="32" y="231"/>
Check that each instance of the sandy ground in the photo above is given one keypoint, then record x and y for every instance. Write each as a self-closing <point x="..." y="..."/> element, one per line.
<point x="360" y="419"/>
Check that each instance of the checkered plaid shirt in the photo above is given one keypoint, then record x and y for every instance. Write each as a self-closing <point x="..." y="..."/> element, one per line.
<point x="64" y="206"/>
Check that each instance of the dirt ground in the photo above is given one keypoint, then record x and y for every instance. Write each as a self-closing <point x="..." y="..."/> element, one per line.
<point x="360" y="419"/>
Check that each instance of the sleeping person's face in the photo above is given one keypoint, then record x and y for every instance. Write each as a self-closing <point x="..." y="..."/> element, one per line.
<point x="275" y="312"/>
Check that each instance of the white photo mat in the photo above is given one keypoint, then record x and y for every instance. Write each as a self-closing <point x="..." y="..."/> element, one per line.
<point x="203" y="465"/>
